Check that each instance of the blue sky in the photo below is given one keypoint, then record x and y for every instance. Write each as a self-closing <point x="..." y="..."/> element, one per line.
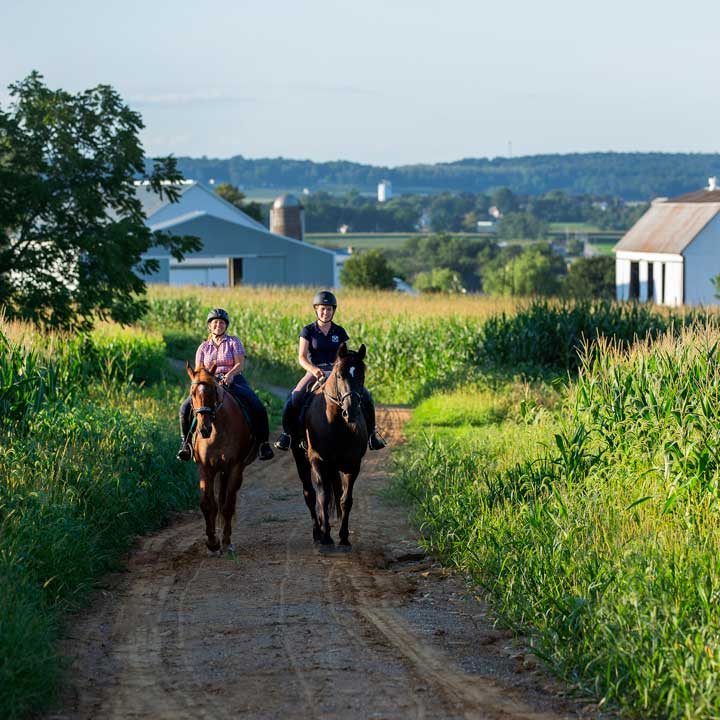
<point x="385" y="81"/>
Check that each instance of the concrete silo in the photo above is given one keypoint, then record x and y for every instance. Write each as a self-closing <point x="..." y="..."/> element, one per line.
<point x="287" y="217"/>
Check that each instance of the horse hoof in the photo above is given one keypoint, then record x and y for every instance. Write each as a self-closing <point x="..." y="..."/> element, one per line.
<point x="213" y="548"/>
<point x="317" y="536"/>
<point x="214" y="553"/>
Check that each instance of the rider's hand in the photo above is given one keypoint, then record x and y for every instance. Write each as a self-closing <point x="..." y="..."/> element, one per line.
<point x="319" y="374"/>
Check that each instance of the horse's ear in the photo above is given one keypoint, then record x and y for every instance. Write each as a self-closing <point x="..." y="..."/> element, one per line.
<point x="362" y="351"/>
<point x="189" y="370"/>
<point x="342" y="350"/>
<point x="213" y="368"/>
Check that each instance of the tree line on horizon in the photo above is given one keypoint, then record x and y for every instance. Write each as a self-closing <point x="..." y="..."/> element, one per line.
<point x="630" y="176"/>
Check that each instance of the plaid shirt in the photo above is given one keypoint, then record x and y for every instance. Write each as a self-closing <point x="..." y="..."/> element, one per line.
<point x="225" y="355"/>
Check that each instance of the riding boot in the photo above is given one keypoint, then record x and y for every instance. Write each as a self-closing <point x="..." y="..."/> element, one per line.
<point x="186" y="452"/>
<point x="265" y="451"/>
<point x="375" y="442"/>
<point x="284" y="441"/>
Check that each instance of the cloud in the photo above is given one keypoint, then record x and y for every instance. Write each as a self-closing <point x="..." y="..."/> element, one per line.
<point x="193" y="97"/>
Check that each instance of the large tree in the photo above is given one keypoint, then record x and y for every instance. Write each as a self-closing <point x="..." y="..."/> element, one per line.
<point x="591" y="278"/>
<point x="532" y="270"/>
<point x="72" y="229"/>
<point x="368" y="269"/>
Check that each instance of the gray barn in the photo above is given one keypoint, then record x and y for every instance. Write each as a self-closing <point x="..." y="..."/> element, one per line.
<point x="236" y="249"/>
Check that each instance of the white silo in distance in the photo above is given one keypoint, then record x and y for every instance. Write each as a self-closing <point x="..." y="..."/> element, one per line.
<point x="384" y="190"/>
<point x="287" y="217"/>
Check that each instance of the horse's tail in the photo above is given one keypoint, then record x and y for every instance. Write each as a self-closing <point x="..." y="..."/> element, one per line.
<point x="337" y="493"/>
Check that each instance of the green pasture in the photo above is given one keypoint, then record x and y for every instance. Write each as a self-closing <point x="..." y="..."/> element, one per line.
<point x="359" y="241"/>
<point x="603" y="248"/>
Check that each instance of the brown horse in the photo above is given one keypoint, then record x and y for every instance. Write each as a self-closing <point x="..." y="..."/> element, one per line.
<point x="223" y="446"/>
<point x="336" y="437"/>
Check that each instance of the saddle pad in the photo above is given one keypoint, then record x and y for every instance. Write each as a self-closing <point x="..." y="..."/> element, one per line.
<point x="244" y="408"/>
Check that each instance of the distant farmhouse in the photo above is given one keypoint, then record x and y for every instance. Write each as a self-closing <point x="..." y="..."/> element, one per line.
<point x="237" y="250"/>
<point x="672" y="253"/>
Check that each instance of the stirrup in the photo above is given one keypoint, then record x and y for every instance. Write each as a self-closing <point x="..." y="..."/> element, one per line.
<point x="375" y="442"/>
<point x="283" y="442"/>
<point x="185" y="453"/>
<point x="265" y="452"/>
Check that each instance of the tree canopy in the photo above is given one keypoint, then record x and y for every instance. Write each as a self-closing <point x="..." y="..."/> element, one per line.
<point x="526" y="271"/>
<point x="233" y="195"/>
<point x="630" y="176"/>
<point x="591" y="278"/>
<point x="368" y="269"/>
<point x="72" y="230"/>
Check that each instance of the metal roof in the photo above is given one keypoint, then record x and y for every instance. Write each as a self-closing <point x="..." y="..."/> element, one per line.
<point x="698" y="196"/>
<point x="151" y="201"/>
<point x="286" y="201"/>
<point x="669" y="227"/>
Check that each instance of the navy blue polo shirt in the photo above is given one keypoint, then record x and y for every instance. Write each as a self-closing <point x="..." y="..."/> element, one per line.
<point x="323" y="348"/>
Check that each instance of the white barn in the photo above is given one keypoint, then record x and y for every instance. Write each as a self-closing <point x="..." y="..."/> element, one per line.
<point x="672" y="253"/>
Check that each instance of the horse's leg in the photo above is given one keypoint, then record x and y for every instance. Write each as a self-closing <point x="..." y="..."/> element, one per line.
<point x="305" y="474"/>
<point x="323" y="488"/>
<point x="227" y="509"/>
<point x="346" y="503"/>
<point x="208" y="506"/>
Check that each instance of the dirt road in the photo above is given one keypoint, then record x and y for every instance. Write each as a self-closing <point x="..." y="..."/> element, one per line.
<point x="283" y="631"/>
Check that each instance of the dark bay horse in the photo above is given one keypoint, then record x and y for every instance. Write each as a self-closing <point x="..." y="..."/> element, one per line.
<point x="336" y="437"/>
<point x="223" y="446"/>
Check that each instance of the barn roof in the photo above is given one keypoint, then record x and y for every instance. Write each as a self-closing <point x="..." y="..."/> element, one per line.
<point x="670" y="226"/>
<point x="153" y="203"/>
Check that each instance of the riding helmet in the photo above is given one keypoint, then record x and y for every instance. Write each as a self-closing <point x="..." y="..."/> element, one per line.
<point x="325" y="297"/>
<point x="218" y="314"/>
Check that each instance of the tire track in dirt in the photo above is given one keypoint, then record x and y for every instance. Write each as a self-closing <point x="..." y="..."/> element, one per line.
<point x="280" y="630"/>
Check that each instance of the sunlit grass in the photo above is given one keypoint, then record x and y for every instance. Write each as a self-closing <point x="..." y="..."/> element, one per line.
<point x="594" y="528"/>
<point x="353" y="305"/>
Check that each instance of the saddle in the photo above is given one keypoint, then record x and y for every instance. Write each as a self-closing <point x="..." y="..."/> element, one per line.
<point x="244" y="408"/>
<point x="304" y="408"/>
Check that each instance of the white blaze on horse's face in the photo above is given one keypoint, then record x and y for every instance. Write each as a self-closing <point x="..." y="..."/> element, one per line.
<point x="352" y="371"/>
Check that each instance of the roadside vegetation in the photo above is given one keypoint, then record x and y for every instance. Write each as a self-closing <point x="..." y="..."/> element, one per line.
<point x="85" y="465"/>
<point x="585" y="509"/>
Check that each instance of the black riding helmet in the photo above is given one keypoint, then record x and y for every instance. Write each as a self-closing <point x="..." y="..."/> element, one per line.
<point x="325" y="297"/>
<point x="218" y="314"/>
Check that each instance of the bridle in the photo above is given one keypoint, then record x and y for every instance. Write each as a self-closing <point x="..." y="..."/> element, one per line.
<point x="206" y="410"/>
<point x="339" y="398"/>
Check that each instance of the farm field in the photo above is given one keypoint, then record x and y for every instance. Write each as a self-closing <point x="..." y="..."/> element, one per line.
<point x="574" y="484"/>
<point x="390" y="241"/>
<point x="359" y="241"/>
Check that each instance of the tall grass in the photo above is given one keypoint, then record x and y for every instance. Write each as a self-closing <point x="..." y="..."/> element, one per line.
<point x="601" y="539"/>
<point x="551" y="335"/>
<point x="86" y="463"/>
<point x="415" y="345"/>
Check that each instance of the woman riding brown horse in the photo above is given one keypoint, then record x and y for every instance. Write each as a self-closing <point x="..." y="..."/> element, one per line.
<point x="224" y="445"/>
<point x="336" y="437"/>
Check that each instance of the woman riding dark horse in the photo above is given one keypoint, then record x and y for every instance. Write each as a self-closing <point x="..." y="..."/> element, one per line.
<point x="317" y="351"/>
<point x="336" y="439"/>
<point x="226" y="354"/>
